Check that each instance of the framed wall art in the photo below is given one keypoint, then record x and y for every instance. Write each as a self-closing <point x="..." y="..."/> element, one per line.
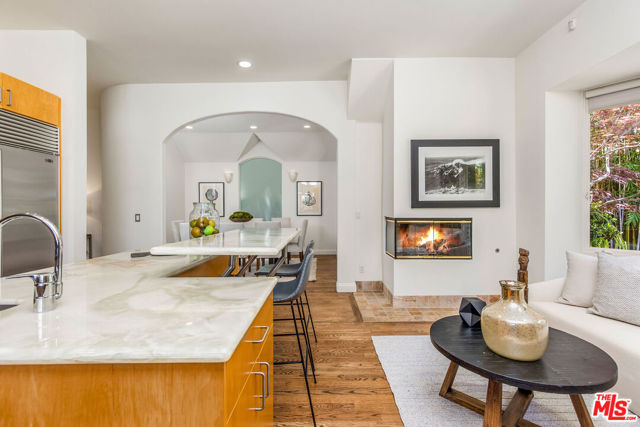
<point x="455" y="173"/>
<point x="212" y="192"/>
<point x="309" y="198"/>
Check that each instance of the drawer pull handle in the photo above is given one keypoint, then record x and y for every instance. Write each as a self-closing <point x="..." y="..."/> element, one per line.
<point x="263" y="396"/>
<point x="268" y="365"/>
<point x="10" y="97"/>
<point x="264" y="337"/>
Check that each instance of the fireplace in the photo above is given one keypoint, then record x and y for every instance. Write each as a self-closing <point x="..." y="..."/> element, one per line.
<point x="412" y="238"/>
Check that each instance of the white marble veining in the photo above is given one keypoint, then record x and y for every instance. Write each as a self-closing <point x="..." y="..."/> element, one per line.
<point x="121" y="310"/>
<point x="248" y="241"/>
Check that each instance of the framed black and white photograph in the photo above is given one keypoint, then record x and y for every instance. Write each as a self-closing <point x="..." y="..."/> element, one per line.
<point x="309" y="198"/>
<point x="212" y="192"/>
<point x="455" y="173"/>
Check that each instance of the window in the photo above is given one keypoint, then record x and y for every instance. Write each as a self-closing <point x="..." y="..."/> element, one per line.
<point x="615" y="170"/>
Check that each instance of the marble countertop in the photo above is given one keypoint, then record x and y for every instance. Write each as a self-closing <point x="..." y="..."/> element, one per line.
<point x="116" y="309"/>
<point x="248" y="241"/>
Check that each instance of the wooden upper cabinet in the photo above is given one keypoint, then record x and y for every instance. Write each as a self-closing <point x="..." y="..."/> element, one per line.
<point x="28" y="100"/>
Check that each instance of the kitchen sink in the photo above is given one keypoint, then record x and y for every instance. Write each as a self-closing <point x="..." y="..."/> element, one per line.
<point x="7" y="306"/>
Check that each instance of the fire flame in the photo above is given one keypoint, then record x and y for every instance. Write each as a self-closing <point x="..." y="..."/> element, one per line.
<point x="431" y="235"/>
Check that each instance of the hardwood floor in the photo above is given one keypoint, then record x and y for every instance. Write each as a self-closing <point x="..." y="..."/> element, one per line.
<point x="352" y="389"/>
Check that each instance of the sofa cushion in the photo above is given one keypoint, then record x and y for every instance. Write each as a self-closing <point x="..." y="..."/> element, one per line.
<point x="617" y="293"/>
<point x="581" y="280"/>
<point x="621" y="340"/>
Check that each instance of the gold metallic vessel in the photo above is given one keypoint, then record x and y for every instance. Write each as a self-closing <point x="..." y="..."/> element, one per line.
<point x="511" y="328"/>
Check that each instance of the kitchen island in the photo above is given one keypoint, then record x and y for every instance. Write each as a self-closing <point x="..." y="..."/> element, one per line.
<point x="131" y="344"/>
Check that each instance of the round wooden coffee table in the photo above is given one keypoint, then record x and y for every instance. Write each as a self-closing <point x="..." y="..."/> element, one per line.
<point x="570" y="366"/>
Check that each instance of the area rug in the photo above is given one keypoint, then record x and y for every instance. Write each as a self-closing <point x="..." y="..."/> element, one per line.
<point x="415" y="370"/>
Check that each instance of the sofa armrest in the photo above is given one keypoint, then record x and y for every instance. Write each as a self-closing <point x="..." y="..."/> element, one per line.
<point x="546" y="291"/>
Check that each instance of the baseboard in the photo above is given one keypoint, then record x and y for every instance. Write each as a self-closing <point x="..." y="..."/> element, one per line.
<point x="346" y="287"/>
<point x="324" y="251"/>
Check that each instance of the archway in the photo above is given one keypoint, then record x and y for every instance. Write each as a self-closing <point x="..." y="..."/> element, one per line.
<point x="227" y="146"/>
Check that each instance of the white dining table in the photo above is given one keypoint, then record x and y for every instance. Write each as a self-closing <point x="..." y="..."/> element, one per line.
<point x="248" y="242"/>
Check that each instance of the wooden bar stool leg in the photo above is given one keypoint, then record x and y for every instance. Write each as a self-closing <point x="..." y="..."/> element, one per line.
<point x="493" y="405"/>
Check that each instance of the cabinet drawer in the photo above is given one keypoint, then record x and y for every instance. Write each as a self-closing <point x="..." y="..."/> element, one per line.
<point x="28" y="100"/>
<point x="260" y="380"/>
<point x="238" y="368"/>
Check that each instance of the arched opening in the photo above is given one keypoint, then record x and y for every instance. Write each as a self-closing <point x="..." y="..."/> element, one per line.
<point x="254" y="160"/>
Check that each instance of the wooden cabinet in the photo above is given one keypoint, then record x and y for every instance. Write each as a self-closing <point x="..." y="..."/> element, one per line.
<point x="148" y="394"/>
<point x="251" y="375"/>
<point x="25" y="99"/>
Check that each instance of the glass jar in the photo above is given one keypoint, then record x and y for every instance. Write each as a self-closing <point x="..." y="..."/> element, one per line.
<point x="203" y="220"/>
<point x="511" y="328"/>
<point x="216" y="218"/>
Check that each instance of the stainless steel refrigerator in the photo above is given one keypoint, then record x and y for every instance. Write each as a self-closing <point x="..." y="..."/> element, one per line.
<point x="29" y="182"/>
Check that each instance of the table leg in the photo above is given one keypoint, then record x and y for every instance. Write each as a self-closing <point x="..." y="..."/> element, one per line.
<point x="517" y="407"/>
<point x="448" y="379"/>
<point x="493" y="405"/>
<point x="246" y="266"/>
<point x="276" y="266"/>
<point x="581" y="410"/>
<point x="232" y="266"/>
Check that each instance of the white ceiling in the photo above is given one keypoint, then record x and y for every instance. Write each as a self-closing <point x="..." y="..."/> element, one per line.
<point x="229" y="138"/>
<point x="145" y="41"/>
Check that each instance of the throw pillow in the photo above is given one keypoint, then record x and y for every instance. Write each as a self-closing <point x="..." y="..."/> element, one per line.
<point x="581" y="280"/>
<point x="617" y="293"/>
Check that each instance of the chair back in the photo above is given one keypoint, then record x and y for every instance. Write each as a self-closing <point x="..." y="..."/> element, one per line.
<point x="309" y="247"/>
<point x="267" y="224"/>
<point x="303" y="232"/>
<point x="175" y="229"/>
<point x="284" y="222"/>
<point x="302" y="278"/>
<point x="185" y="230"/>
<point x="228" y="226"/>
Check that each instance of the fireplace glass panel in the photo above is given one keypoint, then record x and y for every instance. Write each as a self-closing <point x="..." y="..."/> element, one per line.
<point x="429" y="238"/>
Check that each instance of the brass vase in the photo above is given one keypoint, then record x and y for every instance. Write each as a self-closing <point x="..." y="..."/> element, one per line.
<point x="511" y="328"/>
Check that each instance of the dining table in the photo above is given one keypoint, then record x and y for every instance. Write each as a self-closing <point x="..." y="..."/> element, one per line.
<point x="247" y="242"/>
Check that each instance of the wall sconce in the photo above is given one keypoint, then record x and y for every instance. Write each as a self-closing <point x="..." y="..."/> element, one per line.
<point x="293" y="175"/>
<point x="228" y="176"/>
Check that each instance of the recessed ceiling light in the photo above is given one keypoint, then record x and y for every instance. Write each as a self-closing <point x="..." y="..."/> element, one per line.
<point x="307" y="126"/>
<point x="244" y="64"/>
<point x="188" y="127"/>
<point x="253" y="127"/>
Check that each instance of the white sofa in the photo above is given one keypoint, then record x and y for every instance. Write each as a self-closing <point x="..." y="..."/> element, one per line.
<point x="621" y="340"/>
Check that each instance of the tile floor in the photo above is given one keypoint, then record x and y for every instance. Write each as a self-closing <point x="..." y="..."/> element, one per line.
<point x="375" y="307"/>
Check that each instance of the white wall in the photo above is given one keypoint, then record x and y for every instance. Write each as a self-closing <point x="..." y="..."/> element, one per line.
<point x="368" y="197"/>
<point x="136" y="120"/>
<point x="457" y="98"/>
<point x="174" y="183"/>
<point x="550" y="64"/>
<point x="387" y="179"/>
<point x="56" y="62"/>
<point x="320" y="228"/>
<point x="94" y="180"/>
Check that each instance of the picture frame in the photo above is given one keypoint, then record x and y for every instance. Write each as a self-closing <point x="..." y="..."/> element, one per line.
<point x="218" y="189"/>
<point x="455" y="173"/>
<point x="309" y="198"/>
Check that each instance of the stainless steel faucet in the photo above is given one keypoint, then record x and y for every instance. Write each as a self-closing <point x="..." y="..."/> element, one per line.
<point x="47" y="286"/>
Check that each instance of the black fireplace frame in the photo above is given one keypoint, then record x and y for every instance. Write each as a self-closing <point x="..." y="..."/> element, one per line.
<point x="396" y="221"/>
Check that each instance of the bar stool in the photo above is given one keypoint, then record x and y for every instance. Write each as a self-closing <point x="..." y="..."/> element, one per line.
<point x="290" y="293"/>
<point x="292" y="270"/>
